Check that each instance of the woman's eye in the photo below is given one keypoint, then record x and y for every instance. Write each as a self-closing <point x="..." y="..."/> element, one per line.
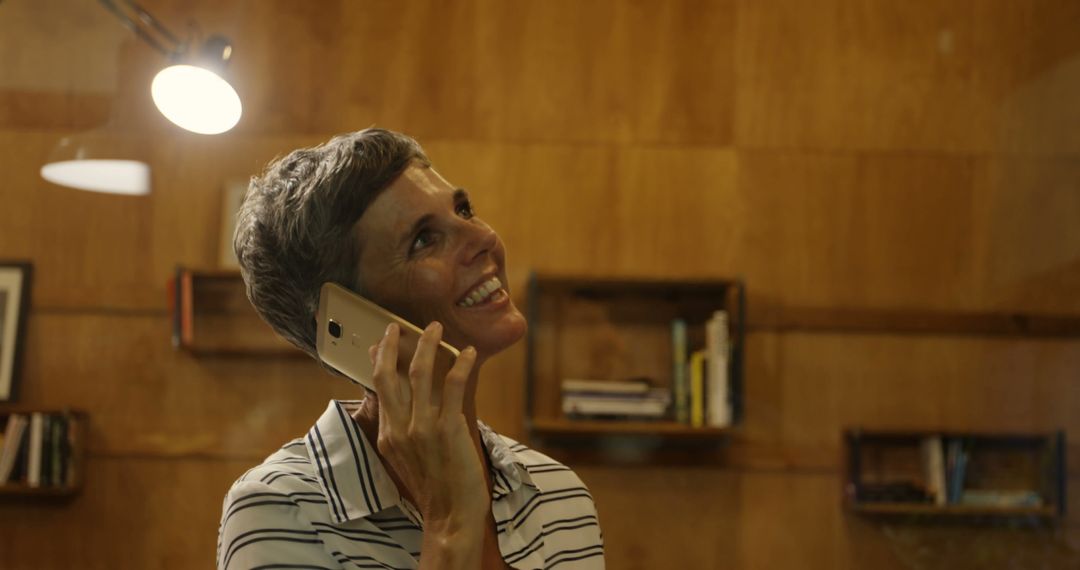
<point x="422" y="240"/>
<point x="465" y="209"/>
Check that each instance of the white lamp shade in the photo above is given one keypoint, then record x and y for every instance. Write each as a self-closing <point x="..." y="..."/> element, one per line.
<point x="100" y="175"/>
<point x="196" y="99"/>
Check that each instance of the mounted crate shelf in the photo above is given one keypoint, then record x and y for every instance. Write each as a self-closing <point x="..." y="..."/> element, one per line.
<point x="621" y="331"/>
<point x="42" y="456"/>
<point x="213" y="317"/>
<point x="955" y="474"/>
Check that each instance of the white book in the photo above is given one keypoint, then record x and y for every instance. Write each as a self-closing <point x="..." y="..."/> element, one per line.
<point x="605" y="386"/>
<point x="650" y="408"/>
<point x="717" y="398"/>
<point x="657" y="395"/>
<point x="33" y="457"/>
<point x="933" y="457"/>
<point x="16" y="424"/>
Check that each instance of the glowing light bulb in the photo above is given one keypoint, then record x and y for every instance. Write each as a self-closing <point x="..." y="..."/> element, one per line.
<point x="196" y="99"/>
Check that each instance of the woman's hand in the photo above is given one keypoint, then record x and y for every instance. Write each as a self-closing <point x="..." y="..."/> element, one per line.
<point x="427" y="443"/>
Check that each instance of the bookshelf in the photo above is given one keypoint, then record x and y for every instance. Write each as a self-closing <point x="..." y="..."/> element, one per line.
<point x="617" y="329"/>
<point x="952" y="474"/>
<point x="213" y="317"/>
<point x="61" y="452"/>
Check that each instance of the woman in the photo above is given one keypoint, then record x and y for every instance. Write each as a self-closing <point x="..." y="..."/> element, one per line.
<point x="438" y="489"/>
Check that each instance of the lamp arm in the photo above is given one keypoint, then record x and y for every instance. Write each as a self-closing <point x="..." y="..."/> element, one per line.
<point x="141" y="25"/>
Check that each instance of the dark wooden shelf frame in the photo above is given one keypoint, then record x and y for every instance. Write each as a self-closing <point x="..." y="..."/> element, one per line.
<point x="21" y="491"/>
<point x="222" y="296"/>
<point x="1053" y="478"/>
<point x="730" y="295"/>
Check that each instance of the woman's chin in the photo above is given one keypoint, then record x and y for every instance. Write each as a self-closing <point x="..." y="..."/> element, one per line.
<point x="500" y="337"/>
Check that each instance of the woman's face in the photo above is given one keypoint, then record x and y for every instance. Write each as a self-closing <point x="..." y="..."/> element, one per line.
<point x="426" y="256"/>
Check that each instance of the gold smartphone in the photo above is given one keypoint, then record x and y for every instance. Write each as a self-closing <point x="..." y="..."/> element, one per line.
<point x="349" y="324"/>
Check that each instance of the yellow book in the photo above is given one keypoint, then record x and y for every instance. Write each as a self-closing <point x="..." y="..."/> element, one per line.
<point x="697" y="388"/>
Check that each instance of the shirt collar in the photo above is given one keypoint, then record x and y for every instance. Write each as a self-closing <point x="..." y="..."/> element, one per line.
<point x="356" y="483"/>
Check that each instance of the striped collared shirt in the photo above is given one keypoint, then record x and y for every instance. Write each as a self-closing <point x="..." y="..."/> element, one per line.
<point x="325" y="501"/>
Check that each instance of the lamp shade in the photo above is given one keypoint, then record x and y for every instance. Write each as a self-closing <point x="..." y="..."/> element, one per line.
<point x="89" y="163"/>
<point x="196" y="99"/>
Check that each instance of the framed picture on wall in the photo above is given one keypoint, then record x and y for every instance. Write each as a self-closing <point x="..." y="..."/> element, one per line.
<point x="14" y="310"/>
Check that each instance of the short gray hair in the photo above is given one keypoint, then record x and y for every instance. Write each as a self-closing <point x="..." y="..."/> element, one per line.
<point x="294" y="228"/>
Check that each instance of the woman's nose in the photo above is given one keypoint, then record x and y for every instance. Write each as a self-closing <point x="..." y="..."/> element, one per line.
<point x="478" y="239"/>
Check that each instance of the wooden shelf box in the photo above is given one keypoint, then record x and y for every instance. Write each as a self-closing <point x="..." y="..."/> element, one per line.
<point x="212" y="316"/>
<point x="619" y="329"/>
<point x="61" y="453"/>
<point x="892" y="473"/>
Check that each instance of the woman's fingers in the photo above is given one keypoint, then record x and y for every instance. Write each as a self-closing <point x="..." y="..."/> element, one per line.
<point x="456" y="381"/>
<point x="385" y="375"/>
<point x="420" y="370"/>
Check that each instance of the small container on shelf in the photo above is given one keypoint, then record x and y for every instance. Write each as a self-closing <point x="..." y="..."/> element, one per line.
<point x="41" y="453"/>
<point x="626" y="358"/>
<point x="955" y="474"/>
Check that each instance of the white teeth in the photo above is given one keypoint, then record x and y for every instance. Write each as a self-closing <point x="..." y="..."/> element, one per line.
<point x="481" y="292"/>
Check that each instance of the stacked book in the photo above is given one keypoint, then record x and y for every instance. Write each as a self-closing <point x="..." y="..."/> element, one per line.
<point x="610" y="399"/>
<point x="35" y="450"/>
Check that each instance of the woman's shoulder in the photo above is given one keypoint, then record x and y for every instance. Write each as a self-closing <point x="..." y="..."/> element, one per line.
<point x="287" y="471"/>
<point x="548" y="473"/>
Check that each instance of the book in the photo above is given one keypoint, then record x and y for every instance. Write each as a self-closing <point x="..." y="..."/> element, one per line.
<point x="631" y="387"/>
<point x="680" y="380"/>
<point x="718" y="412"/>
<point x="933" y="461"/>
<point x="33" y="462"/>
<point x="1001" y="499"/>
<point x="16" y="424"/>
<point x="955" y="467"/>
<point x="650" y="408"/>
<point x="698" y="362"/>
<point x="56" y="452"/>
<point x="45" y="470"/>
<point x="72" y="444"/>
<point x="18" y="473"/>
<point x="64" y="430"/>
<point x="187" y="304"/>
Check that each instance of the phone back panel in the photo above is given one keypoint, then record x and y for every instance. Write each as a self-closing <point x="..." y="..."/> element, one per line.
<point x="362" y="324"/>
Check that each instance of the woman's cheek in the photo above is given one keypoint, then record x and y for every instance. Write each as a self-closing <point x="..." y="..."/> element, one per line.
<point x="429" y="290"/>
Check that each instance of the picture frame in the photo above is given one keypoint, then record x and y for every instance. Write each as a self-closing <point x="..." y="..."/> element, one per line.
<point x="15" y="286"/>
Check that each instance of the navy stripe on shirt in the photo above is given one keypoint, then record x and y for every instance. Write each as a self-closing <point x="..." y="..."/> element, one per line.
<point x="354" y="442"/>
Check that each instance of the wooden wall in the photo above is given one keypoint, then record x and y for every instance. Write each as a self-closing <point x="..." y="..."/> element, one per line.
<point x="835" y="154"/>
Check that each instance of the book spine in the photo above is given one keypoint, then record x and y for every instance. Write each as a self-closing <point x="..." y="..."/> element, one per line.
<point x="33" y="462"/>
<point x="18" y="472"/>
<point x="12" y="440"/>
<point x="716" y="340"/>
<point x="56" y="449"/>
<point x="697" y="388"/>
<point x="187" y="310"/>
<point x="65" y="449"/>
<point x="635" y="387"/>
<point x="45" y="469"/>
<point x="934" y="469"/>
<point x="680" y="380"/>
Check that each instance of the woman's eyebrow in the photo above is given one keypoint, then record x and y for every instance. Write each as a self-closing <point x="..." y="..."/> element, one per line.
<point x="459" y="194"/>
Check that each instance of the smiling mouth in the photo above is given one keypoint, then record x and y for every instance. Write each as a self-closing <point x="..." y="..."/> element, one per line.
<point x="482" y="293"/>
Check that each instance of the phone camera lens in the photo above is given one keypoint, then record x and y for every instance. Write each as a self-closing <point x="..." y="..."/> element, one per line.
<point x="335" y="329"/>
